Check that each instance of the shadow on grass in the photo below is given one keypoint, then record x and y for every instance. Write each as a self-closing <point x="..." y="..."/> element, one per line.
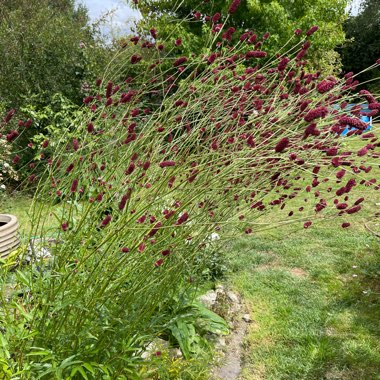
<point x="321" y="325"/>
<point x="354" y="336"/>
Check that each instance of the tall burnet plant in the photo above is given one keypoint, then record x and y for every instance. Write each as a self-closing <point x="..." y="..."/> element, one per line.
<point x="190" y="147"/>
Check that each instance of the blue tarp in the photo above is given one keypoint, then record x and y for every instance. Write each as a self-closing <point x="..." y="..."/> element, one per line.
<point x="366" y="119"/>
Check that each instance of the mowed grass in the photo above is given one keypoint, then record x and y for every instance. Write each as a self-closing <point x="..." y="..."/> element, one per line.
<point x="313" y="295"/>
<point x="314" y="298"/>
<point x="19" y="204"/>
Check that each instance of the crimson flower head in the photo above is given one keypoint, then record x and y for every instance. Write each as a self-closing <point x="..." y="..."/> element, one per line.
<point x="234" y="6"/>
<point x="362" y="152"/>
<point x="307" y="224"/>
<point x="182" y="219"/>
<point x="12" y="135"/>
<point x="65" y="226"/>
<point x="130" y="168"/>
<point x="157" y="264"/>
<point x="135" y="58"/>
<point x="70" y="168"/>
<point x="340" y="174"/>
<point x="255" y="54"/>
<point x="165" y="164"/>
<point x="153" y="33"/>
<point x="354" y="209"/>
<point x="155" y="228"/>
<point x="298" y="31"/>
<point x="325" y="86"/>
<point x="90" y="127"/>
<point x="197" y="15"/>
<point x="123" y="201"/>
<point x="28" y="123"/>
<point x="179" y="61"/>
<point x="9" y="115"/>
<point x="16" y="159"/>
<point x="353" y="122"/>
<point x="358" y="201"/>
<point x="135" y="39"/>
<point x="282" y="145"/>
<point x="312" y="30"/>
<point x="106" y="220"/>
<point x="216" y="17"/>
<point x="316" y="113"/>
<point x="74" y="186"/>
<point x="109" y="88"/>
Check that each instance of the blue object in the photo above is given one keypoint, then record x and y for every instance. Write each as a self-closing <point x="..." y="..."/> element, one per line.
<point x="366" y="119"/>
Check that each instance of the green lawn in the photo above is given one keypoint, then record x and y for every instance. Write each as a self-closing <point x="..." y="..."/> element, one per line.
<point x="19" y="205"/>
<point x="314" y="296"/>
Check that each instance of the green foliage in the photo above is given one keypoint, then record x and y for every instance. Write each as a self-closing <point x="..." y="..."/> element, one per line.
<point x="362" y="48"/>
<point x="50" y="54"/>
<point x="143" y="179"/>
<point x="51" y="119"/>
<point x="7" y="172"/>
<point x="189" y="325"/>
<point x="167" y="367"/>
<point x="46" y="47"/>
<point x="315" y="296"/>
<point x="278" y="17"/>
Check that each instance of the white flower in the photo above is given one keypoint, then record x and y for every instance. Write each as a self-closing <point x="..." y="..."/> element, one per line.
<point x="2" y="186"/>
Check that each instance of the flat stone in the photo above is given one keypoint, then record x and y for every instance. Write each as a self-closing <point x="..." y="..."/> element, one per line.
<point x="208" y="299"/>
<point x="157" y="345"/>
<point x="221" y="342"/>
<point x="176" y="353"/>
<point x="219" y="289"/>
<point x="233" y="297"/>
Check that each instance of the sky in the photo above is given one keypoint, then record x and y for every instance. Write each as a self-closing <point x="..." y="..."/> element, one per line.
<point x="355" y="6"/>
<point x="124" y="15"/>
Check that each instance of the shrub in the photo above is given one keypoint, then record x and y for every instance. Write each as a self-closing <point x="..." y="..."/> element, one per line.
<point x="46" y="47"/>
<point x="158" y="164"/>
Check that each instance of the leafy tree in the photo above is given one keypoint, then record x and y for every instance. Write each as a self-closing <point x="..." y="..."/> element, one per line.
<point x="278" y="17"/>
<point x="47" y="46"/>
<point x="362" y="48"/>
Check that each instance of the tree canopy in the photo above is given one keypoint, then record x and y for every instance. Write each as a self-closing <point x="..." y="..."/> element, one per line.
<point x="362" y="48"/>
<point x="278" y="17"/>
<point x="46" y="46"/>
